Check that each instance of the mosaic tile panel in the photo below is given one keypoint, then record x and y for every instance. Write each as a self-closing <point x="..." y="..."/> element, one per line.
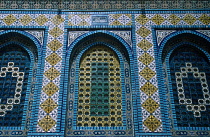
<point x="205" y="32"/>
<point x="51" y="81"/>
<point x="46" y="121"/>
<point x="126" y="35"/>
<point x="162" y="34"/>
<point x="79" y="20"/>
<point x="73" y="35"/>
<point x="151" y="120"/>
<point x="144" y="46"/>
<point x="120" y="19"/>
<point x="39" y="34"/>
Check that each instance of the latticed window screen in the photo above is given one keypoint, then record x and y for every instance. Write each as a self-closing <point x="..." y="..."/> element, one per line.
<point x="190" y="76"/>
<point x="100" y="94"/>
<point x="14" y="72"/>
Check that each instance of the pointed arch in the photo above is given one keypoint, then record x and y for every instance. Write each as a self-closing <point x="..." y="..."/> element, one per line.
<point x="184" y="57"/>
<point x="19" y="56"/>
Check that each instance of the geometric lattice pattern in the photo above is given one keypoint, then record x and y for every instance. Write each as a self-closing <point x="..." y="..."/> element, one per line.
<point x="54" y="45"/>
<point x="25" y="20"/>
<point x="79" y="20"/>
<point x="50" y="89"/>
<point x="190" y="86"/>
<point x="145" y="45"/>
<point x="143" y="32"/>
<point x="158" y="19"/>
<point x="48" y="105"/>
<point x="120" y="19"/>
<point x="53" y="59"/>
<point x="52" y="73"/>
<point x="41" y="20"/>
<point x="100" y="97"/>
<point x="10" y="19"/>
<point x="14" y="72"/>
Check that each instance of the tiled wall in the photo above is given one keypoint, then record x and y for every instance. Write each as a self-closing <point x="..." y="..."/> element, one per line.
<point x="56" y="31"/>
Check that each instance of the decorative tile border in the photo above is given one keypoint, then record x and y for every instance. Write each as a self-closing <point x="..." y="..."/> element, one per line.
<point x="48" y="110"/>
<point x="105" y="5"/>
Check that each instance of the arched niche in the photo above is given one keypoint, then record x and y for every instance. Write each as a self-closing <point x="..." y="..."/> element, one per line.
<point x="19" y="57"/>
<point x="185" y="71"/>
<point x="99" y="62"/>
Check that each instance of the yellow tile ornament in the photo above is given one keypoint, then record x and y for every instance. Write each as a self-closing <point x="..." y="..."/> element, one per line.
<point x="52" y="73"/>
<point x="116" y="16"/>
<point x="50" y="89"/>
<point x="116" y="22"/>
<point x="152" y="123"/>
<point x="150" y="105"/>
<point x="48" y="105"/>
<point x="143" y="32"/>
<point x="57" y="20"/>
<point x="189" y="19"/>
<point x="10" y="19"/>
<point x="148" y="88"/>
<point x="46" y="123"/>
<point x="173" y="19"/>
<point x="25" y="20"/>
<point x="147" y="73"/>
<point x="53" y="59"/>
<point x="144" y="44"/>
<point x="146" y="59"/>
<point x="142" y="19"/>
<point x="54" y="45"/>
<point x="158" y="19"/>
<point x="41" y="20"/>
<point x="205" y="19"/>
<point x="56" y="32"/>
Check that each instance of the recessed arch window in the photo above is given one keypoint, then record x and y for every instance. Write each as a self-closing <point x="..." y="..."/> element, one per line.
<point x="14" y="73"/>
<point x="185" y="58"/>
<point x="18" y="67"/>
<point x="99" y="87"/>
<point x="190" y="81"/>
<point x="100" y="91"/>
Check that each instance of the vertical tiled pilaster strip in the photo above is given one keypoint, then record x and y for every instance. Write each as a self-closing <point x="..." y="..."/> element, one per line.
<point x="48" y="110"/>
<point x="150" y="104"/>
